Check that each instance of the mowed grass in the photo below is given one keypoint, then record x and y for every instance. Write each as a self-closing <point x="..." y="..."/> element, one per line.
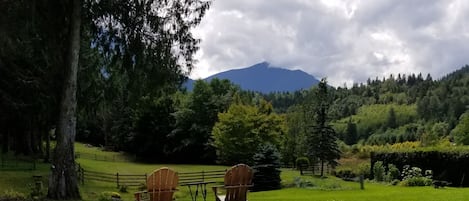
<point x="330" y="189"/>
<point x="373" y="192"/>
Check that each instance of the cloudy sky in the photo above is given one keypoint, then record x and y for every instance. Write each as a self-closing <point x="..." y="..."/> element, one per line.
<point x="345" y="41"/>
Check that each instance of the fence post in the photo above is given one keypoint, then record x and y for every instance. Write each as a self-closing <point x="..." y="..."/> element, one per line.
<point x="362" y="185"/>
<point x="203" y="176"/>
<point x="82" y="176"/>
<point x="117" y="179"/>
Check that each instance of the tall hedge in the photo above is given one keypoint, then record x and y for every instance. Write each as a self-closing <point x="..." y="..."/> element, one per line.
<point x="450" y="166"/>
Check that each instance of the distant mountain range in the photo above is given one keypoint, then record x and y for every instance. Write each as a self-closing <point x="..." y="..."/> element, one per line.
<point x="263" y="77"/>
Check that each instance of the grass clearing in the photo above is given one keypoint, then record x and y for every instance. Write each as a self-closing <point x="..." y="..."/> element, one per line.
<point x="330" y="189"/>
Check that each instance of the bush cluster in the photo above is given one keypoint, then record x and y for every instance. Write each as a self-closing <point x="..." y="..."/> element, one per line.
<point x="345" y="174"/>
<point x="449" y="166"/>
<point x="412" y="176"/>
<point x="109" y="196"/>
<point x="11" y="195"/>
<point x="302" y="162"/>
<point x="389" y="173"/>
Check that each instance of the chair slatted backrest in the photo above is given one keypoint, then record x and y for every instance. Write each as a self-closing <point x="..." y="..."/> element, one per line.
<point x="237" y="181"/>
<point x="161" y="184"/>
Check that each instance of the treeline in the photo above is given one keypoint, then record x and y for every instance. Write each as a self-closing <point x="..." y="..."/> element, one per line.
<point x="147" y="113"/>
<point x="395" y="109"/>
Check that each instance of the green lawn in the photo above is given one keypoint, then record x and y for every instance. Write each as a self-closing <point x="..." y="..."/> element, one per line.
<point x="330" y="189"/>
<point x="373" y="192"/>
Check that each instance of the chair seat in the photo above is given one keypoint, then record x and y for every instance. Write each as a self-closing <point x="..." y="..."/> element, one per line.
<point x="222" y="197"/>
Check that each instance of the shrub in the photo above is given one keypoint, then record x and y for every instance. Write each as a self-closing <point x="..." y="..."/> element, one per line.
<point x="451" y="166"/>
<point x="109" y="196"/>
<point x="417" y="181"/>
<point x="345" y="174"/>
<point x="123" y="189"/>
<point x="393" y="173"/>
<point x="395" y="182"/>
<point x="266" y="168"/>
<point x="378" y="171"/>
<point x="411" y="172"/>
<point x="11" y="195"/>
<point x="300" y="183"/>
<point x="364" y="169"/>
<point x="302" y="162"/>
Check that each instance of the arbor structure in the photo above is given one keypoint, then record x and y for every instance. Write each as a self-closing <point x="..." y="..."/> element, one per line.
<point x="321" y="137"/>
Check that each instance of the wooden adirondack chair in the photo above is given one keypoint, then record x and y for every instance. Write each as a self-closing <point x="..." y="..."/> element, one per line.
<point x="237" y="181"/>
<point x="161" y="185"/>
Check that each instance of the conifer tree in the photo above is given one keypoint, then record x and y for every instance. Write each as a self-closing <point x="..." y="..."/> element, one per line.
<point x="322" y="138"/>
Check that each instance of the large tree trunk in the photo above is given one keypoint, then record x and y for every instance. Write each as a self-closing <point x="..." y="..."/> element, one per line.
<point x="63" y="179"/>
<point x="47" y="151"/>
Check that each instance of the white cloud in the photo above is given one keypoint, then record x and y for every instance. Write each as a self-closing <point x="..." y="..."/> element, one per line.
<point x="346" y="41"/>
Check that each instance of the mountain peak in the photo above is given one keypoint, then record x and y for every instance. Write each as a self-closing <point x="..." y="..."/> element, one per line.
<point x="265" y="78"/>
<point x="264" y="64"/>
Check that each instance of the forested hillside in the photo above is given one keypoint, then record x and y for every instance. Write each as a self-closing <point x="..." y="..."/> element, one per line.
<point x="178" y="126"/>
<point x="394" y="109"/>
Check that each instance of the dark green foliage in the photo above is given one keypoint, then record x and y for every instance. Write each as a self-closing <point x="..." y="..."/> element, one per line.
<point x="351" y="136"/>
<point x="412" y="176"/>
<point x="302" y="162"/>
<point x="266" y="168"/>
<point x="378" y="171"/>
<point x="321" y="137"/>
<point x="408" y="132"/>
<point x="414" y="99"/>
<point x="293" y="145"/>
<point x="451" y="165"/>
<point x="10" y="195"/>
<point x="152" y="126"/>
<point x="345" y="174"/>
<point x="391" y="120"/>
<point x="242" y="129"/>
<point x="461" y="131"/>
<point x="417" y="181"/>
<point x="33" y="37"/>
<point x="365" y="170"/>
<point x="393" y="173"/>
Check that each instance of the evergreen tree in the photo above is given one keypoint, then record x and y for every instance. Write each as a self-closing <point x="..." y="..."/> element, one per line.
<point x="351" y="135"/>
<point x="322" y="138"/>
<point x="266" y="168"/>
<point x="391" y="121"/>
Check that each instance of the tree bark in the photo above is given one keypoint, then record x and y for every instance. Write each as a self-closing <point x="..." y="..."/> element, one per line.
<point x="63" y="183"/>
<point x="47" y="151"/>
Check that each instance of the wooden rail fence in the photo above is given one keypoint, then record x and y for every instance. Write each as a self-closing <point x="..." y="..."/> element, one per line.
<point x="140" y="179"/>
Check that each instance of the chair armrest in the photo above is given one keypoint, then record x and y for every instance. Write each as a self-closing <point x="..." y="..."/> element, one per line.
<point x="215" y="191"/>
<point x="241" y="186"/>
<point x="215" y="188"/>
<point x="138" y="195"/>
<point x="168" y="190"/>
